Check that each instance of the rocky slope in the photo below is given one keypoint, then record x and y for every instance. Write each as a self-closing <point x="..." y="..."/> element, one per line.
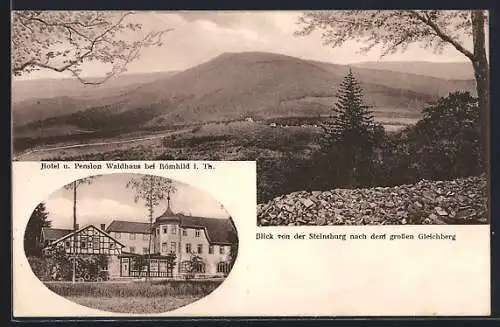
<point x="459" y="201"/>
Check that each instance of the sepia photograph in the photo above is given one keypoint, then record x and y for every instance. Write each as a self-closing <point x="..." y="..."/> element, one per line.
<point x="354" y="117"/>
<point x="130" y="243"/>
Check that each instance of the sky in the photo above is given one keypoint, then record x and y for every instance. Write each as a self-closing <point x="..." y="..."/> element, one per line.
<point x="200" y="36"/>
<point x="108" y="199"/>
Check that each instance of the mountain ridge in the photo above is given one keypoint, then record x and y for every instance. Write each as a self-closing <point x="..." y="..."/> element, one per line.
<point x="234" y="86"/>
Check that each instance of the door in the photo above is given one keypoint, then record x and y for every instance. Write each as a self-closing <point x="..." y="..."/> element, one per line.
<point x="125" y="267"/>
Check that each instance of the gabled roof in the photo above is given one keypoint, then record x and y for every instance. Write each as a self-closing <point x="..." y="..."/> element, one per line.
<point x="219" y="231"/>
<point x="122" y="226"/>
<point x="84" y="228"/>
<point x="52" y="234"/>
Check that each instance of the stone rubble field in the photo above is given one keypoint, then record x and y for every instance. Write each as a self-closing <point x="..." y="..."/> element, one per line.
<point x="459" y="201"/>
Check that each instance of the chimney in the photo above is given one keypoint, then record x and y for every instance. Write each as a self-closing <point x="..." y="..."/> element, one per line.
<point x="103" y="227"/>
<point x="77" y="226"/>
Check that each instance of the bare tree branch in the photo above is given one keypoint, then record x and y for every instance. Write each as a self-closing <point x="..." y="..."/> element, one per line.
<point x="85" y="36"/>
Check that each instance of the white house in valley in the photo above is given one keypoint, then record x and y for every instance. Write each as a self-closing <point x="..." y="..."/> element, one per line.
<point x="210" y="240"/>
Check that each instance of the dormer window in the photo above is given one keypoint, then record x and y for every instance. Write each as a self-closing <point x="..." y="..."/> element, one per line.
<point x="197" y="233"/>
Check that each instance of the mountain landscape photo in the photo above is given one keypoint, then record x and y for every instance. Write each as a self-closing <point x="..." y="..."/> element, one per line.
<point x="236" y="93"/>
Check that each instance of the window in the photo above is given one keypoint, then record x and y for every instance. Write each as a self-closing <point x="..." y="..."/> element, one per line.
<point x="163" y="247"/>
<point x="145" y="250"/>
<point x="118" y="235"/>
<point x="153" y="265"/>
<point x="132" y="249"/>
<point x="145" y="237"/>
<point x="197" y="233"/>
<point x="211" y="249"/>
<point x="174" y="229"/>
<point x="111" y="245"/>
<point x="96" y="243"/>
<point x="200" y="248"/>
<point x="68" y="244"/>
<point x="83" y="245"/>
<point x="184" y="232"/>
<point x="132" y="236"/>
<point x="157" y="231"/>
<point x="185" y="266"/>
<point x="188" y="248"/>
<point x="172" y="247"/>
<point x="198" y="267"/>
<point x="164" y="229"/>
<point x="223" y="267"/>
<point x="221" y="249"/>
<point x="192" y="267"/>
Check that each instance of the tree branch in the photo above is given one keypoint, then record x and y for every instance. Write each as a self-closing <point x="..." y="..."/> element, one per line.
<point x="426" y="19"/>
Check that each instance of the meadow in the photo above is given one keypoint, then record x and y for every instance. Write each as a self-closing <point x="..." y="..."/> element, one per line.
<point x="135" y="305"/>
<point x="135" y="297"/>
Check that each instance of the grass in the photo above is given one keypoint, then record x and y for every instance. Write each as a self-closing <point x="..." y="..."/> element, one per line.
<point x="135" y="297"/>
<point x="132" y="289"/>
<point x="137" y="304"/>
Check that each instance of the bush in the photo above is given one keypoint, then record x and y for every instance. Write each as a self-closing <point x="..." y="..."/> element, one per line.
<point x="445" y="144"/>
<point x="59" y="267"/>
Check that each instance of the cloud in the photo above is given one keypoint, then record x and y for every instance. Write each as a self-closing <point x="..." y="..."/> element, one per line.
<point x="199" y="36"/>
<point x="90" y="211"/>
<point x="108" y="199"/>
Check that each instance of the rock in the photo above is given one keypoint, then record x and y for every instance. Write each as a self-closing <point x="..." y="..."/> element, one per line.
<point x="460" y="201"/>
<point x="440" y="199"/>
<point x="435" y="220"/>
<point x="389" y="204"/>
<point x="440" y="211"/>
<point x="306" y="202"/>
<point x="428" y="195"/>
<point x="321" y="220"/>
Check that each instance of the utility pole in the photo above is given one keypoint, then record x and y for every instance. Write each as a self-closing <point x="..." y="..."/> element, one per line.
<point x="150" y="206"/>
<point x="74" y="232"/>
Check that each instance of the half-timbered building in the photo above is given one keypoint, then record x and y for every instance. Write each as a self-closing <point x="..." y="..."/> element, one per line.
<point x="202" y="246"/>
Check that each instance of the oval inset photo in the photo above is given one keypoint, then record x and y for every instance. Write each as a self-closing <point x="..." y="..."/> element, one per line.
<point x="131" y="243"/>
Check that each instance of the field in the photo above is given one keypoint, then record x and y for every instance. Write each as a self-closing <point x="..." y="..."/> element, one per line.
<point x="135" y="304"/>
<point x="234" y="140"/>
<point x="280" y="151"/>
<point x="135" y="297"/>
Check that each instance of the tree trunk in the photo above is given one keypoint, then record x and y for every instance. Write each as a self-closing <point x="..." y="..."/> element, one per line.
<point x="482" y="76"/>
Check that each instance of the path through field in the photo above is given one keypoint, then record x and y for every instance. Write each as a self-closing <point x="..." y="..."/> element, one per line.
<point x="35" y="154"/>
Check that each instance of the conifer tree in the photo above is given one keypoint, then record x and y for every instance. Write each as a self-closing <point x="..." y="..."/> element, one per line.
<point x="38" y="220"/>
<point x="351" y="136"/>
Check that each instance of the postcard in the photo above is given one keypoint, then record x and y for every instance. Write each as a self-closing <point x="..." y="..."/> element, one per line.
<point x="251" y="163"/>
